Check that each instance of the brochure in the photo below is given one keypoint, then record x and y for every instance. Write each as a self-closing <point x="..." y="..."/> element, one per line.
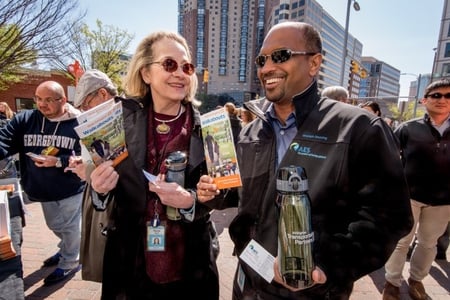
<point x="4" y="214"/>
<point x="220" y="152"/>
<point x="101" y="132"/>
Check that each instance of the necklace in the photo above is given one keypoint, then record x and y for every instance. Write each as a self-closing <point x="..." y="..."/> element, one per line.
<point x="50" y="150"/>
<point x="163" y="128"/>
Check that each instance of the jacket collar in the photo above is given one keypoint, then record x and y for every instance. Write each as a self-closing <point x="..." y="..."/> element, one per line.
<point x="305" y="102"/>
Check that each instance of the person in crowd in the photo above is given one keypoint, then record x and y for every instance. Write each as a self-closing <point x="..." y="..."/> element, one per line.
<point x="359" y="198"/>
<point x="424" y="144"/>
<point x="160" y="118"/>
<point x="6" y="113"/>
<point x="93" y="89"/>
<point x="372" y="107"/>
<point x="11" y="268"/>
<point x="246" y="116"/>
<point x="234" y="121"/>
<point x="50" y="129"/>
<point x="336" y="92"/>
<point x="210" y="142"/>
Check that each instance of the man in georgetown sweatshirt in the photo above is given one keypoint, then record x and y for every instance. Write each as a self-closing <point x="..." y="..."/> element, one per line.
<point x="48" y="131"/>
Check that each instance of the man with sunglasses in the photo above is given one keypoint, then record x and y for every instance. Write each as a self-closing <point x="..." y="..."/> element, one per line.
<point x="424" y="145"/>
<point x="359" y="199"/>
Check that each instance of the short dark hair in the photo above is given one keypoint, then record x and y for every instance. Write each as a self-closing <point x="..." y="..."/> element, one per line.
<point x="373" y="105"/>
<point x="436" y="84"/>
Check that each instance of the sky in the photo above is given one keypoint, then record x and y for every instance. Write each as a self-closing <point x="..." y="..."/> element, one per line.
<point x="401" y="33"/>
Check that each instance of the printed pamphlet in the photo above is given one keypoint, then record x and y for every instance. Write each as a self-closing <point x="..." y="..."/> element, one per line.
<point x="101" y="132"/>
<point x="220" y="152"/>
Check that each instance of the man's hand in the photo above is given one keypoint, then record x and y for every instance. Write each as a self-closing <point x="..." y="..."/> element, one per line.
<point x="206" y="189"/>
<point x="318" y="277"/>
<point x="104" y="178"/>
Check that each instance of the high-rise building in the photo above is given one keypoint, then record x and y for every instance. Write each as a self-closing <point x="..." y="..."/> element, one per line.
<point x="441" y="64"/>
<point x="381" y="84"/>
<point x="225" y="37"/>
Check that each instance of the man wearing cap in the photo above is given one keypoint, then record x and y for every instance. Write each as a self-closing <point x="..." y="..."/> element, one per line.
<point x="94" y="88"/>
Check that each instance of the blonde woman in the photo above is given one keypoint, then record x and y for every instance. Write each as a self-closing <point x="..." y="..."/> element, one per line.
<point x="5" y="111"/>
<point x="160" y="118"/>
<point x="246" y="116"/>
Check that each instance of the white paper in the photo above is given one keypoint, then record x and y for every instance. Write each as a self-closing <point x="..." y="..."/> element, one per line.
<point x="150" y="177"/>
<point x="259" y="259"/>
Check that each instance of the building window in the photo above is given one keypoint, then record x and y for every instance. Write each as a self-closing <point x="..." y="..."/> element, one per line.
<point x="447" y="50"/>
<point x="24" y="103"/>
<point x="445" y="69"/>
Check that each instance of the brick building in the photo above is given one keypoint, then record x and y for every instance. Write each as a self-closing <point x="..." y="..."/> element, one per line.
<point x="20" y="95"/>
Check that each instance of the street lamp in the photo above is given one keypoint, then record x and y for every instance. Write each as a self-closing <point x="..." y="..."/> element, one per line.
<point x="344" y="51"/>
<point x="416" y="98"/>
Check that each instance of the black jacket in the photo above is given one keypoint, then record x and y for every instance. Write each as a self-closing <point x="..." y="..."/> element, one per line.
<point x="124" y="265"/>
<point x="426" y="158"/>
<point x="360" y="201"/>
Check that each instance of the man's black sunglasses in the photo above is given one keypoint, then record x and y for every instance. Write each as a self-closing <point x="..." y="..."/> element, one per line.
<point x="279" y="56"/>
<point x="437" y="96"/>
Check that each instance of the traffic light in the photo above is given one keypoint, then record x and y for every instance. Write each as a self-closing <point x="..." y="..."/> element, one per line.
<point x="363" y="74"/>
<point x="355" y="67"/>
<point x="205" y="75"/>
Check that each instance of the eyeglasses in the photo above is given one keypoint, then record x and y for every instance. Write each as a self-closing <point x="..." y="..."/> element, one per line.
<point x="49" y="100"/>
<point x="438" y="96"/>
<point x="88" y="100"/>
<point x="170" y="65"/>
<point x="279" y="56"/>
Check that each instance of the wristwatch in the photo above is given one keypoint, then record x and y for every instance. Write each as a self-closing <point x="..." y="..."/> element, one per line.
<point x="58" y="162"/>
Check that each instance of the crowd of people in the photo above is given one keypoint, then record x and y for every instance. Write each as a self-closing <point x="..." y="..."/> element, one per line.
<point x="373" y="189"/>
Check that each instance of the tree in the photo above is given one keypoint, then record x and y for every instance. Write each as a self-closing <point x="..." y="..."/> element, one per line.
<point x="103" y="48"/>
<point x="404" y="111"/>
<point x="31" y="30"/>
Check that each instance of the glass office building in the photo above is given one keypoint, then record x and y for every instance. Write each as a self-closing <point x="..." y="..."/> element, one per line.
<point x="225" y="37"/>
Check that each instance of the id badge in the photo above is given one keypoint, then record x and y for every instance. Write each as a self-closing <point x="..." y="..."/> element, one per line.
<point x="155" y="237"/>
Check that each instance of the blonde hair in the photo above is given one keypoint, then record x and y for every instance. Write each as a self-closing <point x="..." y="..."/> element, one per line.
<point x="143" y="57"/>
<point x="8" y="111"/>
<point x="250" y="116"/>
<point x="231" y="108"/>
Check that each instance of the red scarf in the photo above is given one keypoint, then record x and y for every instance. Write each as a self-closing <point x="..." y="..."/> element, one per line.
<point x="166" y="266"/>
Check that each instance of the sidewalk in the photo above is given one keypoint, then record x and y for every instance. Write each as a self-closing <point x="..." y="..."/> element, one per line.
<point x="40" y="242"/>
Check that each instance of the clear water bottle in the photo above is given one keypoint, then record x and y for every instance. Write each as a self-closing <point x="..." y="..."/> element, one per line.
<point x="295" y="235"/>
<point x="176" y="164"/>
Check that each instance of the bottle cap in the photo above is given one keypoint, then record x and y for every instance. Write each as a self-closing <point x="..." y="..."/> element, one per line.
<point x="292" y="179"/>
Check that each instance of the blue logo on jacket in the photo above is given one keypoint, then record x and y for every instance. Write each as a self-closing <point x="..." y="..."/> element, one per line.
<point x="305" y="151"/>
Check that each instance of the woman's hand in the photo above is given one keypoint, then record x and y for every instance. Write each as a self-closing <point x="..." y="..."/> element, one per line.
<point x="171" y="193"/>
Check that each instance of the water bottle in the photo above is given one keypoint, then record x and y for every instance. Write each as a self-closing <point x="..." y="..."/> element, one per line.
<point x="295" y="235"/>
<point x="176" y="164"/>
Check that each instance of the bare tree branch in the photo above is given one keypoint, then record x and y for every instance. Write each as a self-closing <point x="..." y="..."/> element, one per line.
<point x="32" y="30"/>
